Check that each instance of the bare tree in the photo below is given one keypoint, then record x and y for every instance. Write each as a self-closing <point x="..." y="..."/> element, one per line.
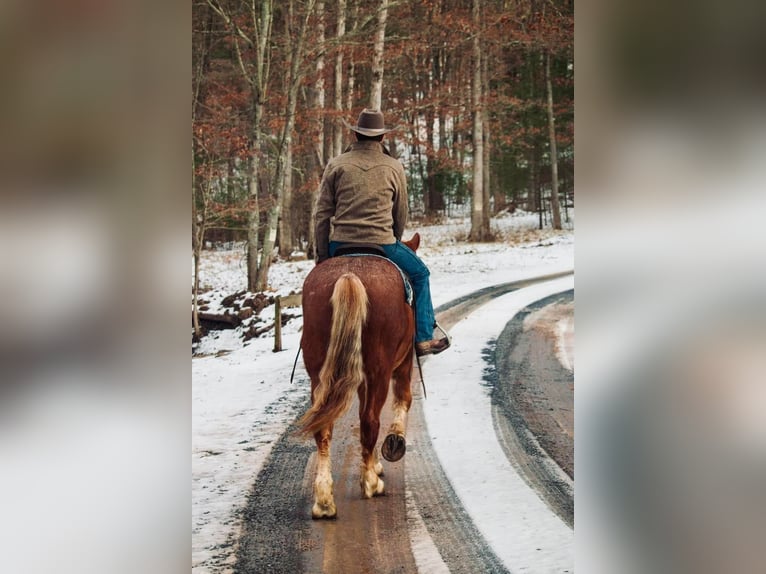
<point x="319" y="87"/>
<point x="351" y="74"/>
<point x="479" y="223"/>
<point x="340" y="31"/>
<point x="255" y="71"/>
<point x="286" y="226"/>
<point x="555" y="206"/>
<point x="376" y="89"/>
<point x="281" y="180"/>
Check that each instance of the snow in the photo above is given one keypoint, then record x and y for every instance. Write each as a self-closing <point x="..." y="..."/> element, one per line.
<point x="525" y="535"/>
<point x="243" y="400"/>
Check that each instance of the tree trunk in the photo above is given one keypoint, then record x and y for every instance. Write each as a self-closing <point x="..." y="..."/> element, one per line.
<point x="479" y="225"/>
<point x="459" y="157"/>
<point x="536" y="186"/>
<point x="269" y="239"/>
<point x="430" y="183"/>
<point x="286" y="241"/>
<point x="253" y="223"/>
<point x="485" y="147"/>
<point x="351" y="72"/>
<point x="487" y="211"/>
<point x="319" y="89"/>
<point x="444" y="151"/>
<point x="340" y="31"/>
<point x="531" y="193"/>
<point x="555" y="208"/>
<point x="376" y="89"/>
<point x="421" y="170"/>
<point x="196" y="249"/>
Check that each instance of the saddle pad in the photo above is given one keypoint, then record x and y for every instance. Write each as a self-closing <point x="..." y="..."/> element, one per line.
<point x="408" y="293"/>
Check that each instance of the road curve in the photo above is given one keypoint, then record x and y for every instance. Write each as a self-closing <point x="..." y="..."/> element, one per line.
<point x="369" y="536"/>
<point x="529" y="399"/>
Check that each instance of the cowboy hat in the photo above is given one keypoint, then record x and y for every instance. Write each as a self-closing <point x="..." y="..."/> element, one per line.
<point x="370" y="123"/>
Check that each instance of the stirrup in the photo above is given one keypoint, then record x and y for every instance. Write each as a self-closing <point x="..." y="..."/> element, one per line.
<point x="447" y="335"/>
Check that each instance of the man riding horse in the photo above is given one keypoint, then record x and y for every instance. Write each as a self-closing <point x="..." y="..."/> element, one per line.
<point x="363" y="200"/>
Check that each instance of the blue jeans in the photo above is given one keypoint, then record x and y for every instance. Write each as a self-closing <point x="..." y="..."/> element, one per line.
<point x="418" y="273"/>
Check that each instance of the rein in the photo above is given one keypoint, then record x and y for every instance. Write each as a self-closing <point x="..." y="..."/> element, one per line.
<point x="422" y="381"/>
<point x="295" y="363"/>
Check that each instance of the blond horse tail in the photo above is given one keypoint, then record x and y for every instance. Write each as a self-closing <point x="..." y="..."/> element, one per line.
<point x="343" y="370"/>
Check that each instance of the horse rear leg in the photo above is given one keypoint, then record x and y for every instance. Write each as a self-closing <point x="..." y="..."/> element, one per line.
<point x="369" y="426"/>
<point x="395" y="445"/>
<point x="324" y="502"/>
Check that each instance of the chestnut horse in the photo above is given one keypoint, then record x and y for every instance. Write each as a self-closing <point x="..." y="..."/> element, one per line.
<point x="358" y="333"/>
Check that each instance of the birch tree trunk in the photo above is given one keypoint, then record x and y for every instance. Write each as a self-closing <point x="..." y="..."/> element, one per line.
<point x="319" y="88"/>
<point x="555" y="207"/>
<point x="486" y="212"/>
<point x="286" y="243"/>
<point x="340" y="31"/>
<point x="253" y="219"/>
<point x="351" y="74"/>
<point x="479" y="226"/>
<point x="429" y="188"/>
<point x="376" y="89"/>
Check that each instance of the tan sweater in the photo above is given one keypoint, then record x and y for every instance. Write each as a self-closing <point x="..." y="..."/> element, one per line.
<point x="363" y="199"/>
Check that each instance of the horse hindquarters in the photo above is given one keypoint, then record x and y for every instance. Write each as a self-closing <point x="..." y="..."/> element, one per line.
<point x="339" y="378"/>
<point x="342" y="371"/>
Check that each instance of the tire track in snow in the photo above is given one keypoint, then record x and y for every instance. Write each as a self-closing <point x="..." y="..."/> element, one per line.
<point x="462" y="547"/>
<point x="530" y="452"/>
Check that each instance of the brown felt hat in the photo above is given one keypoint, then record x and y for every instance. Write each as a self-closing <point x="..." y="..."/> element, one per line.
<point x="370" y="123"/>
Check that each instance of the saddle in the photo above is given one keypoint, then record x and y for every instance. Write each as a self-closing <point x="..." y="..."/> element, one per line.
<point x="360" y="249"/>
<point x="374" y="250"/>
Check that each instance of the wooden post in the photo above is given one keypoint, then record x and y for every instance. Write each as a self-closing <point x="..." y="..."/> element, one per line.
<point x="277" y="324"/>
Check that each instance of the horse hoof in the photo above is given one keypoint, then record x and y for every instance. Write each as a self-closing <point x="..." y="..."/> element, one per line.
<point x="394" y="447"/>
<point x="369" y="491"/>
<point x="318" y="512"/>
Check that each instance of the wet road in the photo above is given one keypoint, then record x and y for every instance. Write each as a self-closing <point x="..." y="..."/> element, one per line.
<point x="374" y="535"/>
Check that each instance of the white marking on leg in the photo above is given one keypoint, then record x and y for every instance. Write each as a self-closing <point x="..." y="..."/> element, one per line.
<point x="324" y="503"/>
<point x="399" y="424"/>
<point x="376" y="464"/>
<point x="371" y="483"/>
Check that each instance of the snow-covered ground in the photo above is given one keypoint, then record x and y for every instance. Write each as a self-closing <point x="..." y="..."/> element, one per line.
<point x="241" y="392"/>
<point x="513" y="519"/>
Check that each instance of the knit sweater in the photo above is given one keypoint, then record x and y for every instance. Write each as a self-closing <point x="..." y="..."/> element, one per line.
<point x="362" y="199"/>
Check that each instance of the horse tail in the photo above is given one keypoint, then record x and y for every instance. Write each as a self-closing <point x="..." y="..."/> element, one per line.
<point x="343" y="371"/>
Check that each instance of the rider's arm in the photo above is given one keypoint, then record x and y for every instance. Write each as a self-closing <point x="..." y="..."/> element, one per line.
<point x="400" y="210"/>
<point x="325" y="209"/>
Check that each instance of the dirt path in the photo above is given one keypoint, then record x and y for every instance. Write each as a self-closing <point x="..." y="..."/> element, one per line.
<point x="369" y="536"/>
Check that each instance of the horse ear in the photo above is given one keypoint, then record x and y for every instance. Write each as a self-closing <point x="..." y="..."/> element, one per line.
<point x="413" y="242"/>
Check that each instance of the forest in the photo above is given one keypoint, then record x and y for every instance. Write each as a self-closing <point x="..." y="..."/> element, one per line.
<point x="481" y="93"/>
